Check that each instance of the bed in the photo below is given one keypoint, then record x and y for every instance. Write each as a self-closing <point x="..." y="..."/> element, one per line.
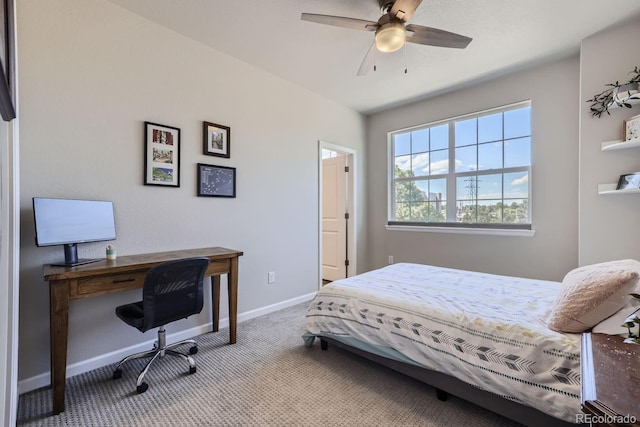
<point x="479" y="336"/>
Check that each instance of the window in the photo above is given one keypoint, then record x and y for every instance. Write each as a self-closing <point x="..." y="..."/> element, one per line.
<point x="327" y="154"/>
<point x="471" y="171"/>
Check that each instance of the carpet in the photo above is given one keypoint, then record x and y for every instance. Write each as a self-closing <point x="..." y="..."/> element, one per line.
<point x="268" y="378"/>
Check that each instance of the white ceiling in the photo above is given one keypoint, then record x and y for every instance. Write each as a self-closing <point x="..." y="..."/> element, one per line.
<point x="269" y="34"/>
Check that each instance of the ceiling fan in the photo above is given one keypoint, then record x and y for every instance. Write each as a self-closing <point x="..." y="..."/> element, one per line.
<point x="392" y="30"/>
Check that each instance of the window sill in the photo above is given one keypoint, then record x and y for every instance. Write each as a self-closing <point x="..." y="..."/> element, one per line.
<point x="460" y="230"/>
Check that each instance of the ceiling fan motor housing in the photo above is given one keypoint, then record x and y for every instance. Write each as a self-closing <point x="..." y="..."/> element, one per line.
<point x="390" y="34"/>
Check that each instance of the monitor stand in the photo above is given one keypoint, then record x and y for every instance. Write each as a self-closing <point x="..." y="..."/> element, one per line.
<point x="71" y="257"/>
<point x="78" y="262"/>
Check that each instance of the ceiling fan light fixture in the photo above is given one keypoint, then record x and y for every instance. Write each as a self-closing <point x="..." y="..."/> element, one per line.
<point x="390" y="37"/>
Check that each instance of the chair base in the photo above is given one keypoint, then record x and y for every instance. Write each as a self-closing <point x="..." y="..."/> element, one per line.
<point x="160" y="349"/>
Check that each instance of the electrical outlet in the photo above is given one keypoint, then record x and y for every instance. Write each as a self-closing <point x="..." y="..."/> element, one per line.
<point x="390" y="259"/>
<point x="271" y="277"/>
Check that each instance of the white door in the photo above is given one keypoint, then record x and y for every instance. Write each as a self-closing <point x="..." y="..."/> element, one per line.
<point x="334" y="208"/>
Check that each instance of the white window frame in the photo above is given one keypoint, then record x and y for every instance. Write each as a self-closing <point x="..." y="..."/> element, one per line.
<point x="504" y="229"/>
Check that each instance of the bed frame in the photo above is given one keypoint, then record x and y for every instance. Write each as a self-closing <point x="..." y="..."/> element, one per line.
<point x="445" y="385"/>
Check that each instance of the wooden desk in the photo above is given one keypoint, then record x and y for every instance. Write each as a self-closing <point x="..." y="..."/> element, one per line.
<point x="122" y="274"/>
<point x="610" y="380"/>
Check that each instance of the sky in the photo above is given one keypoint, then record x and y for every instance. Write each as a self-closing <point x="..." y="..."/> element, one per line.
<point x="493" y="141"/>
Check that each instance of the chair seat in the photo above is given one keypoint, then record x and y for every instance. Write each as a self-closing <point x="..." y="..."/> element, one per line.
<point x="132" y="314"/>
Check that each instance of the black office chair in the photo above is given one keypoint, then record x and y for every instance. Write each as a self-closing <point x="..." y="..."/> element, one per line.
<point x="172" y="291"/>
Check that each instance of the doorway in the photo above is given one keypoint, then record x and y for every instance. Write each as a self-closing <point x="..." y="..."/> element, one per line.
<point x="336" y="212"/>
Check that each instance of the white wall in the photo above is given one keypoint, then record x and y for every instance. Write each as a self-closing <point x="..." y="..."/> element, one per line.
<point x="552" y="251"/>
<point x="91" y="73"/>
<point x="608" y="224"/>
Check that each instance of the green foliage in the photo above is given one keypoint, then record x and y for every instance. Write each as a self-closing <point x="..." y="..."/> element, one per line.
<point x="513" y="213"/>
<point x="601" y="102"/>
<point x="630" y="322"/>
<point x="413" y="205"/>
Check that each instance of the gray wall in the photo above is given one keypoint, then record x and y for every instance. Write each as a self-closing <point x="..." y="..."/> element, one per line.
<point x="608" y="224"/>
<point x="91" y="73"/>
<point x="553" y="250"/>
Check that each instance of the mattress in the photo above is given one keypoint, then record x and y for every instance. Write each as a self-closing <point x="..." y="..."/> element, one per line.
<point x="486" y="330"/>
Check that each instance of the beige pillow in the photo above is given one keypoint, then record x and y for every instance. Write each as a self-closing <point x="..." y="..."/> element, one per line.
<point x="592" y="293"/>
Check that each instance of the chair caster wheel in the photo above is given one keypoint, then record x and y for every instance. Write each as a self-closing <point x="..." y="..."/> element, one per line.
<point x="193" y="350"/>
<point x="142" y="388"/>
<point x="117" y="374"/>
<point x="192" y="370"/>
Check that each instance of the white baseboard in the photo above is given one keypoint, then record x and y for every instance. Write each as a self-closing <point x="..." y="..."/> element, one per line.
<point x="44" y="380"/>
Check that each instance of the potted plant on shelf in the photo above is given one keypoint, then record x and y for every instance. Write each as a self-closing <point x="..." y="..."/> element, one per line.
<point x="630" y="322"/>
<point x="618" y="94"/>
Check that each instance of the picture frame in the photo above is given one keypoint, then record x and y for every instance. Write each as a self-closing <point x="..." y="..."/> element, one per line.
<point x="161" y="155"/>
<point x="216" y="181"/>
<point x="216" y="140"/>
<point x="632" y="128"/>
<point x="629" y="181"/>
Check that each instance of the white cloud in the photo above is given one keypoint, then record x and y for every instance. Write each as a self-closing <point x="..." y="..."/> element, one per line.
<point x="460" y="167"/>
<point x="520" y="181"/>
<point x="440" y="167"/>
<point x="421" y="164"/>
<point x="403" y="163"/>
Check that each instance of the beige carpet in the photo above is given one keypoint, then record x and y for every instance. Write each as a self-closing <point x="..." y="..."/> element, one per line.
<point x="268" y="378"/>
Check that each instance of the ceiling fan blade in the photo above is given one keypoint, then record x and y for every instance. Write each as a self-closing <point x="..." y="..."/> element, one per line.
<point x="369" y="61"/>
<point x="340" y="21"/>
<point x="403" y="9"/>
<point x="435" y="37"/>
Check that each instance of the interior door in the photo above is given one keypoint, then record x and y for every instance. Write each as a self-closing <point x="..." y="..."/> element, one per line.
<point x="334" y="208"/>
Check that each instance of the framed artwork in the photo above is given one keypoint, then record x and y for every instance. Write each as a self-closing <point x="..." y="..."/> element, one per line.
<point x="216" y="181"/>
<point x="161" y="155"/>
<point x="216" y="140"/>
<point x="632" y="128"/>
<point x="629" y="181"/>
<point x="7" y="57"/>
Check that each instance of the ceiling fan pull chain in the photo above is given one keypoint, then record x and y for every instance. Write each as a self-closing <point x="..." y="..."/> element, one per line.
<point x="405" y="58"/>
<point x="374" y="59"/>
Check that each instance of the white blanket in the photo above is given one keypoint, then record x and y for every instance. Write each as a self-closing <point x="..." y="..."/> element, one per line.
<point x="487" y="330"/>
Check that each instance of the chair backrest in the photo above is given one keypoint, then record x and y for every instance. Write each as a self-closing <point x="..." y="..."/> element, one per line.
<point x="173" y="291"/>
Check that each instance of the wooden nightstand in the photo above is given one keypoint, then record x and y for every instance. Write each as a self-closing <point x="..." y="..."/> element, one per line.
<point x="610" y="377"/>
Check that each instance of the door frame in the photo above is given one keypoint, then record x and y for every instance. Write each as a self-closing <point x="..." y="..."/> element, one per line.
<point x="351" y="202"/>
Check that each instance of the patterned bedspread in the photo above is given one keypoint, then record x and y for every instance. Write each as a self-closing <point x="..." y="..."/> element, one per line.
<point x="487" y="330"/>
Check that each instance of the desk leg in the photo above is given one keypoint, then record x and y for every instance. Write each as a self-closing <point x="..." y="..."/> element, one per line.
<point x="232" y="280"/>
<point x="215" y="301"/>
<point x="59" y="331"/>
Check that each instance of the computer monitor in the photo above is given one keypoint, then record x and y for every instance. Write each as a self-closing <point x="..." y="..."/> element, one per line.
<point x="67" y="222"/>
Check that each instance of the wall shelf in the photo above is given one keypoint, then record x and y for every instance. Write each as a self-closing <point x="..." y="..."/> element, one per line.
<point x="605" y="189"/>
<point x="620" y="144"/>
